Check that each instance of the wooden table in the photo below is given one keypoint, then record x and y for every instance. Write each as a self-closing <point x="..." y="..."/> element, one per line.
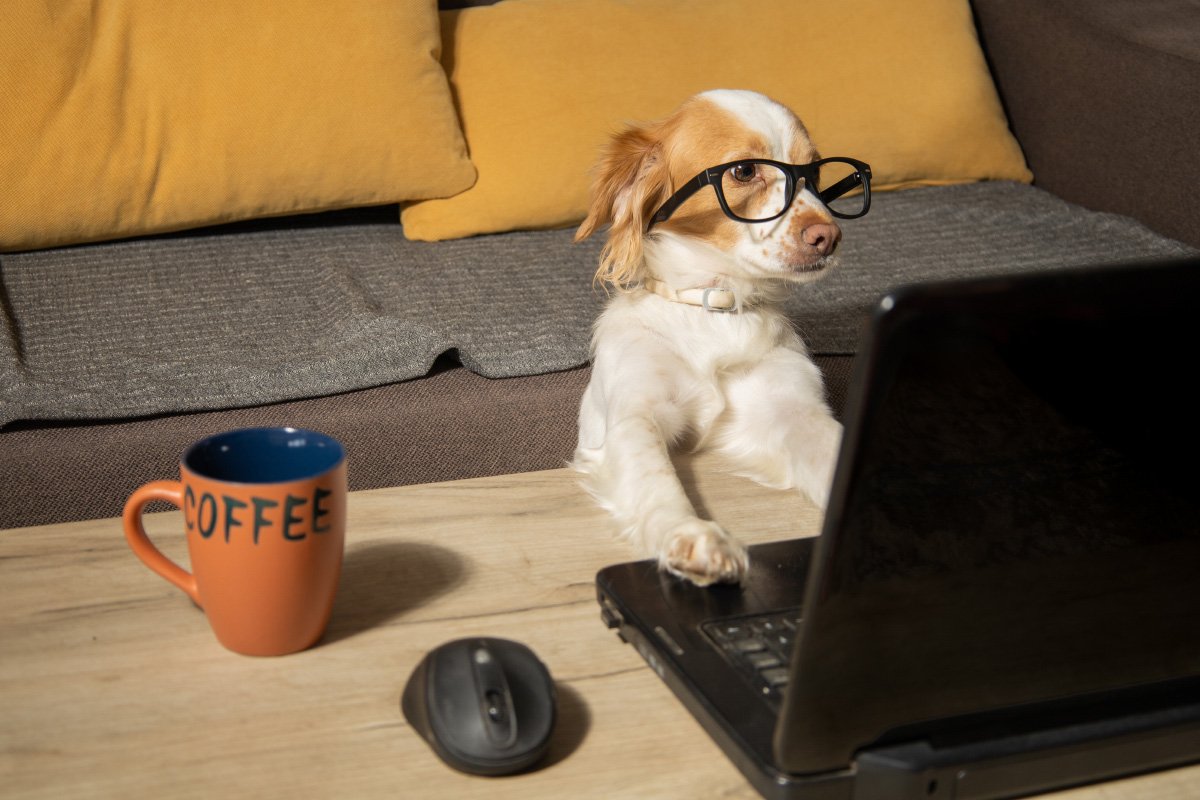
<point x="112" y="685"/>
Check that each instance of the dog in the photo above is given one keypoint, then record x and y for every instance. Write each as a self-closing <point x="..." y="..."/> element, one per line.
<point x="693" y="348"/>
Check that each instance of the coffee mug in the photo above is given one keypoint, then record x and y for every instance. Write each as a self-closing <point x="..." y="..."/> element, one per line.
<point x="264" y="513"/>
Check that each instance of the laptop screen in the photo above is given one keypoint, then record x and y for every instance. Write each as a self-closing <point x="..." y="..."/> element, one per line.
<point x="1019" y="520"/>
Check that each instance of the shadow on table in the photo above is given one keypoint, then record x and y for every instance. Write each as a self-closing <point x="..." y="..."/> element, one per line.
<point x="384" y="580"/>
<point x="570" y="729"/>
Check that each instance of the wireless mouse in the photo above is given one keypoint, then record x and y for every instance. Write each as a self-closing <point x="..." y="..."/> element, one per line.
<point x="486" y="706"/>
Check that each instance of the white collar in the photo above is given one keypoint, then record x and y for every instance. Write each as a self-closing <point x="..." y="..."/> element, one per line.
<point x="710" y="298"/>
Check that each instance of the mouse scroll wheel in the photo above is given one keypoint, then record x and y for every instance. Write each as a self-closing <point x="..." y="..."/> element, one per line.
<point x="497" y="709"/>
<point x="495" y="698"/>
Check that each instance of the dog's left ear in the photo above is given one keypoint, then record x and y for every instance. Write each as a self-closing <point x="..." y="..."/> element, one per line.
<point x="631" y="181"/>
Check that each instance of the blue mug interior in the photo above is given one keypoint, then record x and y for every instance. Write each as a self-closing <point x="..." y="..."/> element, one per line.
<point x="264" y="455"/>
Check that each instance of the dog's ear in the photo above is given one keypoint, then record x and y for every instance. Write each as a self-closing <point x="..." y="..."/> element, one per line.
<point x="631" y="181"/>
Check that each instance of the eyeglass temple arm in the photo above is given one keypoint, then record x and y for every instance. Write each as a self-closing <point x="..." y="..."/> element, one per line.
<point x="676" y="200"/>
<point x="841" y="187"/>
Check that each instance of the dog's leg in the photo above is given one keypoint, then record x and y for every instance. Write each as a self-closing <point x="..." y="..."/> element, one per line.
<point x="777" y="429"/>
<point x="624" y="452"/>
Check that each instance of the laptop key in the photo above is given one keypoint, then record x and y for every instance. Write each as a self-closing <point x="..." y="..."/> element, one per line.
<point x="782" y="643"/>
<point x="732" y="631"/>
<point x="763" y="660"/>
<point x="749" y="645"/>
<point x="775" y="676"/>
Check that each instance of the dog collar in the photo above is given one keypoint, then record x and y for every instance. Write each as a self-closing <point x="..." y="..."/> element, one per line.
<point x="710" y="298"/>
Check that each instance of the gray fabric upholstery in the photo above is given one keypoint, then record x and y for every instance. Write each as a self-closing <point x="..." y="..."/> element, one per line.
<point x="448" y="425"/>
<point x="224" y="320"/>
<point x="218" y="320"/>
<point x="958" y="232"/>
<point x="451" y="424"/>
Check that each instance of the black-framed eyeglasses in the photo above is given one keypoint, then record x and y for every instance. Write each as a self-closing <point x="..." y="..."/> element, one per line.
<point x="760" y="190"/>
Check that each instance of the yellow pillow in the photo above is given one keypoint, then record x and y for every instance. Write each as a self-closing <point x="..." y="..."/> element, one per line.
<point x="144" y="116"/>
<point x="541" y="84"/>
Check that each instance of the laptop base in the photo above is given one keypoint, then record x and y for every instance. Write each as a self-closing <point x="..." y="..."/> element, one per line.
<point x="1051" y="749"/>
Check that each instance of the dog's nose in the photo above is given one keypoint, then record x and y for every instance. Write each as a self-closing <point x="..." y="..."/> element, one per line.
<point x="822" y="237"/>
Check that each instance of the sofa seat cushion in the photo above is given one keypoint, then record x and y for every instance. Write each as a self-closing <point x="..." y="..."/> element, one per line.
<point x="263" y="313"/>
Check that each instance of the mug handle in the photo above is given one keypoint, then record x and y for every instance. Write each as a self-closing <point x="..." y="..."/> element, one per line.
<point x="139" y="542"/>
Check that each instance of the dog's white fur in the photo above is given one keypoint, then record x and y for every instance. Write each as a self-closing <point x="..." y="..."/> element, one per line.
<point x="666" y="374"/>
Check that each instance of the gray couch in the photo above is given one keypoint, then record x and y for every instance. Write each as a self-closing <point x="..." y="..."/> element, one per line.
<point x="437" y="361"/>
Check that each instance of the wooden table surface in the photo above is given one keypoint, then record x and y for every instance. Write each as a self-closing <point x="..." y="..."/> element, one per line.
<point x="112" y="685"/>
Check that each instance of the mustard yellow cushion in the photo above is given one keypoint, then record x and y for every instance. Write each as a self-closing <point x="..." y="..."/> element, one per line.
<point x="540" y="85"/>
<point x="143" y="116"/>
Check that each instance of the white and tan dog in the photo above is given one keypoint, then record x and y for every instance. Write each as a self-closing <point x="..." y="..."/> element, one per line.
<point x="693" y="349"/>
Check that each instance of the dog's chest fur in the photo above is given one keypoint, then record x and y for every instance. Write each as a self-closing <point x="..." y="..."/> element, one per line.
<point x="686" y="359"/>
<point x="708" y="343"/>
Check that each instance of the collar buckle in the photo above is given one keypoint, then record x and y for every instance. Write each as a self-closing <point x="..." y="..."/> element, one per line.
<point x="727" y="306"/>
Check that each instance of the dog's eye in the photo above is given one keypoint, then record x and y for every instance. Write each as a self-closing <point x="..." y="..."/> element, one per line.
<point x="743" y="173"/>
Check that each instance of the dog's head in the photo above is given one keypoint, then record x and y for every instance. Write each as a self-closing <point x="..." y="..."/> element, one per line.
<point x="645" y="165"/>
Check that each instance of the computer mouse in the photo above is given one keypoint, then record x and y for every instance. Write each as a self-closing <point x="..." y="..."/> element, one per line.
<point x="486" y="706"/>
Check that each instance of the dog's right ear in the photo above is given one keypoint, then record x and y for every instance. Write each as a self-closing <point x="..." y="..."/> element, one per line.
<point x="631" y="181"/>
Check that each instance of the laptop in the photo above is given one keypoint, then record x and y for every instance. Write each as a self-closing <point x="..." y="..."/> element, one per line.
<point x="1005" y="595"/>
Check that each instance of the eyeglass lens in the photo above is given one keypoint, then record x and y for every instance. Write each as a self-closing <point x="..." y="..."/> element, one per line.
<point x="844" y="199"/>
<point x="755" y="191"/>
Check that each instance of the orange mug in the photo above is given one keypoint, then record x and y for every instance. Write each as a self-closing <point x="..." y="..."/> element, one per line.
<point x="265" y="516"/>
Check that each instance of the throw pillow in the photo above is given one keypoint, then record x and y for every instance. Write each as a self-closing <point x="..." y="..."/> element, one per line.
<point x="541" y="84"/>
<point x="144" y="116"/>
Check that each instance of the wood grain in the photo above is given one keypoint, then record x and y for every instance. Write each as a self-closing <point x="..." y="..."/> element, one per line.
<point x="112" y="684"/>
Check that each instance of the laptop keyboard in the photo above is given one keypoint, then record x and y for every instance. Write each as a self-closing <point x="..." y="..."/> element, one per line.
<point x="760" y="647"/>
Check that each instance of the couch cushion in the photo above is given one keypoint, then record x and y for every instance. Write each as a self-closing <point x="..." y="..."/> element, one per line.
<point x="139" y="117"/>
<point x="903" y="86"/>
<point x="451" y="425"/>
<point x="263" y="313"/>
<point x="1104" y="96"/>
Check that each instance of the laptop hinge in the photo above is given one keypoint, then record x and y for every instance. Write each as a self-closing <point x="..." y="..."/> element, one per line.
<point x="1031" y="763"/>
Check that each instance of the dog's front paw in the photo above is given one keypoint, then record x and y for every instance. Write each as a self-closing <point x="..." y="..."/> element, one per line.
<point x="703" y="553"/>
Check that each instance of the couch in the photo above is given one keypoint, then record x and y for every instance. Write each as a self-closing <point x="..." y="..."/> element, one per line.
<point x="466" y="356"/>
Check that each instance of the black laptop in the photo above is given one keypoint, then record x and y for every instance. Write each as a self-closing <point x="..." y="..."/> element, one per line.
<point x="1005" y="596"/>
